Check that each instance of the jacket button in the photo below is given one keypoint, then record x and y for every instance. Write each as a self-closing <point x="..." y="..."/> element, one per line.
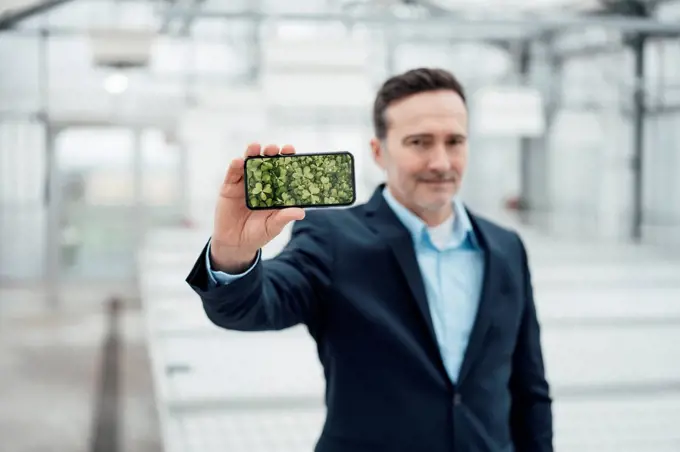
<point x="457" y="399"/>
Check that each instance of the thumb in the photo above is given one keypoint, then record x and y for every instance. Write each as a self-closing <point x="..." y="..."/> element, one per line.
<point x="280" y="219"/>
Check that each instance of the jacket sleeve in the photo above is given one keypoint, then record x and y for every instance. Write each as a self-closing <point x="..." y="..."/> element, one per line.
<point x="275" y="293"/>
<point x="531" y="420"/>
<point x="219" y="278"/>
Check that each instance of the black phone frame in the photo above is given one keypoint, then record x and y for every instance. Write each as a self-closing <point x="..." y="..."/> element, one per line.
<point x="302" y="206"/>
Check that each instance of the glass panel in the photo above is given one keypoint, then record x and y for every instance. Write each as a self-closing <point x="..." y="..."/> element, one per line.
<point x="22" y="195"/>
<point x="97" y="214"/>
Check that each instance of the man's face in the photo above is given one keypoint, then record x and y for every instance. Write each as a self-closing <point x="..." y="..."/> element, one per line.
<point x="425" y="151"/>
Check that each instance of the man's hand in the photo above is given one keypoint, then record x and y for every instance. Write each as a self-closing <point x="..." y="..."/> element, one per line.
<point x="238" y="232"/>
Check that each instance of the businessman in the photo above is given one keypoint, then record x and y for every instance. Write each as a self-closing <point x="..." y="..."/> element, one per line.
<point x="422" y="310"/>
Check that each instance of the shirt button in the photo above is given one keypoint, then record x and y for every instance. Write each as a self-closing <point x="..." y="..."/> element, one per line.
<point x="457" y="399"/>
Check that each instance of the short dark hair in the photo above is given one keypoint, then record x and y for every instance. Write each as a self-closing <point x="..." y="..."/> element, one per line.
<point x="406" y="84"/>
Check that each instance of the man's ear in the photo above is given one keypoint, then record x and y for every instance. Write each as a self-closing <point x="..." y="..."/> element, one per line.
<point x="378" y="151"/>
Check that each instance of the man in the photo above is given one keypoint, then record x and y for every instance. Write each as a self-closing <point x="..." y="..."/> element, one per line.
<point x="422" y="311"/>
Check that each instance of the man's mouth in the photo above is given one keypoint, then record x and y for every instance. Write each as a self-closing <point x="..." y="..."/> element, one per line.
<point x="439" y="182"/>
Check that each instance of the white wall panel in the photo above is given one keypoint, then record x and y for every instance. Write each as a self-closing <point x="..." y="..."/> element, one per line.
<point x="662" y="184"/>
<point x="170" y="55"/>
<point x="284" y="54"/>
<point x="318" y="89"/>
<point x="508" y="111"/>
<point x="217" y="58"/>
<point x="20" y="86"/>
<point x="225" y="97"/>
<point x="662" y="67"/>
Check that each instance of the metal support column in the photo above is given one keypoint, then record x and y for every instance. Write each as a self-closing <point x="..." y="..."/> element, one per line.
<point x="390" y="49"/>
<point x="525" y="173"/>
<point x="638" y="45"/>
<point x="140" y="220"/>
<point x="534" y="152"/>
<point x="255" y="45"/>
<point x="52" y="269"/>
<point x="53" y="223"/>
<point x="552" y="94"/>
<point x="190" y="101"/>
<point x="182" y="175"/>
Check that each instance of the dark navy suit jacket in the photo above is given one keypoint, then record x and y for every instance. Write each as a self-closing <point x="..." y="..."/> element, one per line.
<point x="351" y="276"/>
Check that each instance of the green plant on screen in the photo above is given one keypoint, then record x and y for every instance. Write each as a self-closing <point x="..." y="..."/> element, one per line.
<point x="300" y="180"/>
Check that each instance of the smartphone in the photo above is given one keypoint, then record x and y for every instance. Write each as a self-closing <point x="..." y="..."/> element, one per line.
<point x="300" y="180"/>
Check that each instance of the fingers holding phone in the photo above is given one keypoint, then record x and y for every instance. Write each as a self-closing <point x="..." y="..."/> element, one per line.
<point x="238" y="232"/>
<point x="287" y="150"/>
<point x="232" y="186"/>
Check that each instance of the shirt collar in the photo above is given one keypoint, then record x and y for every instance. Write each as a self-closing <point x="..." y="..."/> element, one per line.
<point x="462" y="226"/>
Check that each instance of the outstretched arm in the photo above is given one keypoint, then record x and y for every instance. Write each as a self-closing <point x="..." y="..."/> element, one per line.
<point x="277" y="293"/>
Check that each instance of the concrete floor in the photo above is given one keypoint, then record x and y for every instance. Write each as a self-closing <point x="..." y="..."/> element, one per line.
<point x="50" y="374"/>
<point x="610" y="316"/>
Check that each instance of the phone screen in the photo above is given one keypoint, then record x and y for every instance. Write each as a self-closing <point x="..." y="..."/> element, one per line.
<point x="300" y="180"/>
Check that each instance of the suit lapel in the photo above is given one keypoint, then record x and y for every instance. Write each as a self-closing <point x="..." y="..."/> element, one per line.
<point x="493" y="287"/>
<point x="403" y="250"/>
<point x="385" y="223"/>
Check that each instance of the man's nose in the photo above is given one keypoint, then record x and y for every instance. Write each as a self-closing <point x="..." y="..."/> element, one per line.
<point x="440" y="160"/>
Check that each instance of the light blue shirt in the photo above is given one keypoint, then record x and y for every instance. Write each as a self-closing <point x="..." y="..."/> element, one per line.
<point x="452" y="272"/>
<point x="452" y="265"/>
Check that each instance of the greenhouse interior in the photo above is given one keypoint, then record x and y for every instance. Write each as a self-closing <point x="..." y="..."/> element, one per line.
<point x="120" y="118"/>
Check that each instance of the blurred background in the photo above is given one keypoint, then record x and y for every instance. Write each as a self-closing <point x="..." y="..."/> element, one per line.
<point x="118" y="119"/>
